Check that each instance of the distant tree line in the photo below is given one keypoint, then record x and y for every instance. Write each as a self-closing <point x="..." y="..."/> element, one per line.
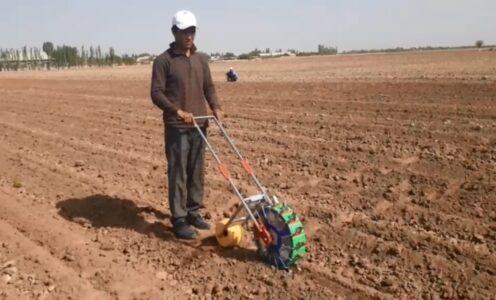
<point x="14" y="59"/>
<point x="67" y="56"/>
<point x="62" y="57"/>
<point x="230" y="55"/>
<point x="257" y="53"/>
<point x="326" y="50"/>
<point x="321" y="50"/>
<point x="478" y="44"/>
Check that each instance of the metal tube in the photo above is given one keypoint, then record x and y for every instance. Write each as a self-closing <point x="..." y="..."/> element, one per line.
<point x="233" y="146"/>
<point x="231" y="219"/>
<point x="229" y="179"/>
<point x="239" y="220"/>
<point x="228" y="138"/>
<point x="203" y="117"/>
<point x="241" y="198"/>
<point x="208" y="143"/>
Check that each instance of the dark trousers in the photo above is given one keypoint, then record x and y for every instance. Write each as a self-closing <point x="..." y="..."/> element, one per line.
<point x="185" y="152"/>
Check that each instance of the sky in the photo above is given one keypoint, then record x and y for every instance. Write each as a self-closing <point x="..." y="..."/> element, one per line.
<point x="241" y="26"/>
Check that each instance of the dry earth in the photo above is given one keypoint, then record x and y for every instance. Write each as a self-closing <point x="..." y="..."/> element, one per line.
<point x="390" y="160"/>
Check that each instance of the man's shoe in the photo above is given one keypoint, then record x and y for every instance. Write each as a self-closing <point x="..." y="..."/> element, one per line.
<point x="183" y="230"/>
<point x="198" y="221"/>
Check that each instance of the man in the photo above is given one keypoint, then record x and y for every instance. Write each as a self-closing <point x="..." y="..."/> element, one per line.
<point x="231" y="75"/>
<point x="182" y="87"/>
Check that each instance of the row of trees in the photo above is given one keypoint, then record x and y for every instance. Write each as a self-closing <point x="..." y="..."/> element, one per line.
<point x="51" y="56"/>
<point x="67" y="56"/>
<point x="14" y="59"/>
<point x="21" y="54"/>
<point x="325" y="50"/>
<point x="321" y="50"/>
<point x="478" y="44"/>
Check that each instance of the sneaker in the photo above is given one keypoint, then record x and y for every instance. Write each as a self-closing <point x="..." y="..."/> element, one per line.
<point x="183" y="230"/>
<point x="198" y="221"/>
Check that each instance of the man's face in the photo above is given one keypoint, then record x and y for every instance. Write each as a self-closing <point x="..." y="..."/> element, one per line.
<point x="184" y="38"/>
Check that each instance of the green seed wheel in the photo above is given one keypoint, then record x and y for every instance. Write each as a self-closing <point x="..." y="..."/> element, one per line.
<point x="289" y="239"/>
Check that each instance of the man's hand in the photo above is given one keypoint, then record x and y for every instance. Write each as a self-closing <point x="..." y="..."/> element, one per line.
<point x="219" y="114"/>
<point x="185" y="116"/>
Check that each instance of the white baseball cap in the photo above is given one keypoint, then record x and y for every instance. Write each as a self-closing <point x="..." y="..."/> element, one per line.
<point x="184" y="19"/>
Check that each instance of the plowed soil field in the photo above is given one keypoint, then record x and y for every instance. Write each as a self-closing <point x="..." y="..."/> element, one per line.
<point x="389" y="160"/>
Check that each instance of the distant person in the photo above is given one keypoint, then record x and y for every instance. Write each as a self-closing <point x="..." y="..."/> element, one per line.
<point x="232" y="75"/>
<point x="182" y="86"/>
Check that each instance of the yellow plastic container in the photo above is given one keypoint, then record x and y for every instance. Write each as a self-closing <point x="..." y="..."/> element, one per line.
<point x="230" y="237"/>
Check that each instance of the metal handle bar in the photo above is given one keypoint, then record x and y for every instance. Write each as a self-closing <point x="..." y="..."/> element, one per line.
<point x="225" y="172"/>
<point x="245" y="163"/>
